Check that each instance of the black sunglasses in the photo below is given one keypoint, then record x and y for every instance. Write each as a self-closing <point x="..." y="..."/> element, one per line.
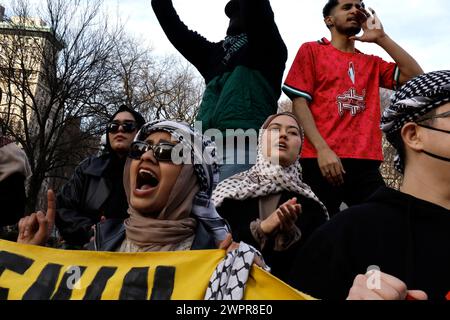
<point x="127" y="127"/>
<point x="162" y="151"/>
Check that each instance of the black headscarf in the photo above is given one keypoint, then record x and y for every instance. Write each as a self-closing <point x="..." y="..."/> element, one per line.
<point x="232" y="8"/>
<point x="140" y="121"/>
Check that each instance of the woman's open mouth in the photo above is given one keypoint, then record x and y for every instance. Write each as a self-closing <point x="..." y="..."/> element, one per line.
<point x="146" y="180"/>
<point x="282" y="146"/>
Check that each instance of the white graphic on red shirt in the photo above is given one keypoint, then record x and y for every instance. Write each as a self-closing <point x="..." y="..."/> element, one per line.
<point x="351" y="101"/>
<point x="352" y="72"/>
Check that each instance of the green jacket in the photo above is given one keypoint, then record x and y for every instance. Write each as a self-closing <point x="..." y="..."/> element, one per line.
<point x="241" y="99"/>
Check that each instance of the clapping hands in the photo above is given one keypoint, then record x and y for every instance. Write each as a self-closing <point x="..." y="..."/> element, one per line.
<point x="283" y="219"/>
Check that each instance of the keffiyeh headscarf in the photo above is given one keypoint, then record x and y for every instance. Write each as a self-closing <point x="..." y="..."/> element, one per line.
<point x="265" y="178"/>
<point x="190" y="197"/>
<point x="233" y="44"/>
<point x="415" y="99"/>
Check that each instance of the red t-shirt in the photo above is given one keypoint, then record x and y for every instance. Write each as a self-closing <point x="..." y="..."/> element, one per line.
<point x="343" y="92"/>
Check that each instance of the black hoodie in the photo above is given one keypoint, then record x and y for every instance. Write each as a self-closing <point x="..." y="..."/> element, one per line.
<point x="405" y="237"/>
<point x="94" y="190"/>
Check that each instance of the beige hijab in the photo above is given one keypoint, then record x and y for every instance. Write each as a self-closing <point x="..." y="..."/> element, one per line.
<point x="173" y="225"/>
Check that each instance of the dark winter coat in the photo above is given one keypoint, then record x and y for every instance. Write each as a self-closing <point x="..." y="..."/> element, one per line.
<point x="401" y="235"/>
<point x="240" y="213"/>
<point x="243" y="82"/>
<point x="94" y="190"/>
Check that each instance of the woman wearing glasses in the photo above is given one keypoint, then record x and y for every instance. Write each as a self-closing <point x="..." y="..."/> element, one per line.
<point x="96" y="190"/>
<point x="168" y="179"/>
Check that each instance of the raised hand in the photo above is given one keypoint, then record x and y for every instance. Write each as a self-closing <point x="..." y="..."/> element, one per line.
<point x="36" y="228"/>
<point x="371" y="25"/>
<point x="282" y="219"/>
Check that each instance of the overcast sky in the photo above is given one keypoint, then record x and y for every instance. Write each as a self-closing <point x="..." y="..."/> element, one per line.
<point x="422" y="27"/>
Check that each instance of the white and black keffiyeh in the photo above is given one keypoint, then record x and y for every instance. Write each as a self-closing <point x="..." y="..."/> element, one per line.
<point x="415" y="99"/>
<point x="201" y="153"/>
<point x="233" y="44"/>
<point x="263" y="179"/>
<point x="230" y="277"/>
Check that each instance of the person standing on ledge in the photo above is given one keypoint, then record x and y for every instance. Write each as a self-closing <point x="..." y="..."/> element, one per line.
<point x="335" y="92"/>
<point x="243" y="74"/>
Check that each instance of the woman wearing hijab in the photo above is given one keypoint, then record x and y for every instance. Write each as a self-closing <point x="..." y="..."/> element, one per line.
<point x="169" y="204"/>
<point x="95" y="189"/>
<point x="168" y="179"/>
<point x="269" y="206"/>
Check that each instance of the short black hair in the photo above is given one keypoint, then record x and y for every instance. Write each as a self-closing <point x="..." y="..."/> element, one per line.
<point x="140" y="121"/>
<point x="396" y="140"/>
<point x="331" y="4"/>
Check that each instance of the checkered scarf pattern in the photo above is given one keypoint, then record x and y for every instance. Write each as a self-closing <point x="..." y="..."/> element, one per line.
<point x="229" y="279"/>
<point x="265" y="178"/>
<point x="233" y="44"/>
<point x="415" y="99"/>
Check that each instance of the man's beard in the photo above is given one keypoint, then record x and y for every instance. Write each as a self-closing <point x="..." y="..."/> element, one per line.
<point x="350" y="31"/>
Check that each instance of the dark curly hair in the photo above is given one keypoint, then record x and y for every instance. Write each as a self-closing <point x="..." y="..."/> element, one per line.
<point x="331" y="4"/>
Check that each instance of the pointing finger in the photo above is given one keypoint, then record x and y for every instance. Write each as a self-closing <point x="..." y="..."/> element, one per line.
<point x="51" y="209"/>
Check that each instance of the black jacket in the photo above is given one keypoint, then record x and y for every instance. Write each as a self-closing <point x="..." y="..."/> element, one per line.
<point x="243" y="73"/>
<point x="12" y="199"/>
<point x="240" y="213"/>
<point x="404" y="236"/>
<point x="110" y="234"/>
<point x="265" y="51"/>
<point x="94" y="190"/>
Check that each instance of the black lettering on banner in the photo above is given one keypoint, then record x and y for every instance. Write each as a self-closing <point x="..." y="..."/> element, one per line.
<point x="4" y="293"/>
<point x="135" y="285"/>
<point x="64" y="292"/>
<point x="96" y="288"/>
<point x="44" y="286"/>
<point x="163" y="283"/>
<point x="14" y="263"/>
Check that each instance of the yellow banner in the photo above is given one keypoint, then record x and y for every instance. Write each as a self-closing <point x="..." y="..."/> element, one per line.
<point x="32" y="272"/>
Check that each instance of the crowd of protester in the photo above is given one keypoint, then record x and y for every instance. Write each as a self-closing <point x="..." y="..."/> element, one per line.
<point x="136" y="197"/>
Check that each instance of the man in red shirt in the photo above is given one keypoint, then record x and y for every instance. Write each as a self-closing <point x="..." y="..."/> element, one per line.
<point x="335" y="93"/>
